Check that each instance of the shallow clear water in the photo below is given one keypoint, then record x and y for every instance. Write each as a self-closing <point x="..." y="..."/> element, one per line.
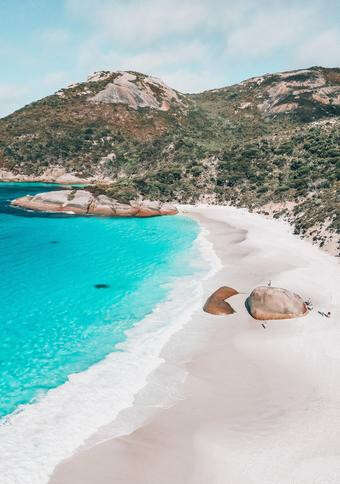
<point x="54" y="321"/>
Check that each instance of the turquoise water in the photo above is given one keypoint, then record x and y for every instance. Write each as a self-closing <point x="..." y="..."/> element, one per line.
<point x="70" y="287"/>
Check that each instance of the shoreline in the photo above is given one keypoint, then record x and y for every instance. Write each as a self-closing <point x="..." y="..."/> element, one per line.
<point x="267" y="211"/>
<point x="110" y="385"/>
<point x="239" y="396"/>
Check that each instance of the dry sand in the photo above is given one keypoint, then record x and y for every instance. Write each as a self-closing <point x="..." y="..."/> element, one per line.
<point x="250" y="405"/>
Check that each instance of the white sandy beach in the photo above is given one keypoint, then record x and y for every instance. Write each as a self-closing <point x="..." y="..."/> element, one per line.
<point x="246" y="405"/>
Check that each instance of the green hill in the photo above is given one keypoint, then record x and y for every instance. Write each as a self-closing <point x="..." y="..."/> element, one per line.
<point x="270" y="143"/>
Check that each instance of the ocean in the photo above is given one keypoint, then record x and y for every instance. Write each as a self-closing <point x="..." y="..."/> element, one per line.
<point x="87" y="303"/>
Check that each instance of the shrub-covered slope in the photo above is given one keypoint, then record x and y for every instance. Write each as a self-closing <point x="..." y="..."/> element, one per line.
<point x="270" y="143"/>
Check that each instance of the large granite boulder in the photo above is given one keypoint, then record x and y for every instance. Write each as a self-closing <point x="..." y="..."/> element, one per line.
<point x="76" y="201"/>
<point x="124" y="210"/>
<point x="275" y="303"/>
<point x="102" y="205"/>
<point x="136" y="91"/>
<point x="216" y="304"/>
<point x="83" y="202"/>
<point x="167" y="209"/>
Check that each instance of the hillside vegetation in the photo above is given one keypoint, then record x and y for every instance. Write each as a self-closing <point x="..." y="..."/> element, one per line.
<point x="270" y="143"/>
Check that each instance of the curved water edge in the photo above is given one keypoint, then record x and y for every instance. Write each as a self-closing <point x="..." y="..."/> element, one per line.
<point x="247" y="393"/>
<point x="50" y="430"/>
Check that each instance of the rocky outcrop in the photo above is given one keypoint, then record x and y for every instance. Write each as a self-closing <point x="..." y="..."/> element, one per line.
<point x="82" y="202"/>
<point x="76" y="201"/>
<point x="275" y="303"/>
<point x="302" y="89"/>
<point x="135" y="90"/>
<point x="50" y="175"/>
<point x="216" y="304"/>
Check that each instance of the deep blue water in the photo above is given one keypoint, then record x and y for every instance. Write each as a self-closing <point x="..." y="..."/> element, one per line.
<point x="54" y="321"/>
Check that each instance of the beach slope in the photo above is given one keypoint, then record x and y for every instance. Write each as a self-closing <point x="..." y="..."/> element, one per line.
<point x="260" y="403"/>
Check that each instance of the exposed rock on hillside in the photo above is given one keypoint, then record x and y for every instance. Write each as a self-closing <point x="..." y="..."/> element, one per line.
<point x="297" y="90"/>
<point x="82" y="202"/>
<point x="307" y="94"/>
<point x="275" y="303"/>
<point x="137" y="92"/>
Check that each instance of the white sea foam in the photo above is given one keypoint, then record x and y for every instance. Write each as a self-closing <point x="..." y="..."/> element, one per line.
<point x="272" y="395"/>
<point x="35" y="439"/>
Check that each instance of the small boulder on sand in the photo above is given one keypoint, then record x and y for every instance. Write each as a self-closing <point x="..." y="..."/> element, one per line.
<point x="216" y="304"/>
<point x="275" y="303"/>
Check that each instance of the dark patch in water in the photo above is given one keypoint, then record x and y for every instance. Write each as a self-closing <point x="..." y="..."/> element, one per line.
<point x="101" y="286"/>
<point x="54" y="241"/>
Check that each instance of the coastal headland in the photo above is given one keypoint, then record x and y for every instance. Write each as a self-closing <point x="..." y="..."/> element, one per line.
<point x="269" y="143"/>
<point x="83" y="202"/>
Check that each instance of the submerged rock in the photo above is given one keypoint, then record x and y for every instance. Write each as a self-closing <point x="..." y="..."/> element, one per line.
<point x="275" y="303"/>
<point x="83" y="202"/>
<point x="216" y="304"/>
